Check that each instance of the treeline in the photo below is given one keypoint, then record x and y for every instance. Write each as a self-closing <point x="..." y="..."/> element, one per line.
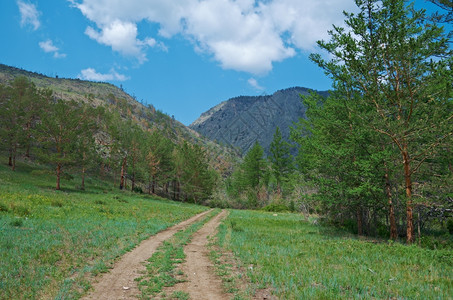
<point x="376" y="155"/>
<point x="76" y="137"/>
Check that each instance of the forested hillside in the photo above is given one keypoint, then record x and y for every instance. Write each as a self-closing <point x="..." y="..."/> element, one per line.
<point x="79" y="126"/>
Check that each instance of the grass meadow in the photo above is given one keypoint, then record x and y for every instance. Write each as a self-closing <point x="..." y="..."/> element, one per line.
<point x="299" y="260"/>
<point x="52" y="242"/>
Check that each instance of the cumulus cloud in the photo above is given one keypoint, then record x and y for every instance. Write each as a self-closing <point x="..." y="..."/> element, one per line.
<point x="29" y="15"/>
<point x="91" y="74"/>
<point x="244" y="35"/>
<point x="48" y="47"/>
<point x="254" y="83"/>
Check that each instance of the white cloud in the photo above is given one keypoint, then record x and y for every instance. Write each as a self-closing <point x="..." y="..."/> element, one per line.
<point x="29" y="15"/>
<point x="48" y="47"/>
<point x="244" y="35"/>
<point x="254" y="83"/>
<point x="91" y="74"/>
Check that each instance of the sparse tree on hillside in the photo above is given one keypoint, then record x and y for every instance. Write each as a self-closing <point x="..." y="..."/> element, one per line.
<point x="62" y="124"/>
<point x="19" y="105"/>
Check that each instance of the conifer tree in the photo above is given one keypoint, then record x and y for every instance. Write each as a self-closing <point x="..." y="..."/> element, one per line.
<point x="281" y="159"/>
<point x="392" y="63"/>
<point x="253" y="166"/>
<point x="62" y="124"/>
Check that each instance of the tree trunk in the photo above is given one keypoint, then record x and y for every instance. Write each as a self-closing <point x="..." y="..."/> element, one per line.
<point x="388" y="191"/>
<point x="10" y="160"/>
<point x="27" y="151"/>
<point x="123" y="170"/>
<point x="13" y="154"/>
<point x="82" y="187"/>
<point x="133" y="174"/>
<point x="58" y="176"/>
<point x="359" y="221"/>
<point x="408" y="183"/>
<point x="174" y="189"/>
<point x="149" y="186"/>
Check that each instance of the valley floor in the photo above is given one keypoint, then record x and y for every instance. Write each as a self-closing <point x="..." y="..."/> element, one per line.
<point x="70" y="244"/>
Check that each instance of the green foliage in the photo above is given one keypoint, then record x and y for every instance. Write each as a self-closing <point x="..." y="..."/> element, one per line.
<point x="387" y="123"/>
<point x="281" y="159"/>
<point x="450" y="226"/>
<point x="253" y="166"/>
<point x="274" y="207"/>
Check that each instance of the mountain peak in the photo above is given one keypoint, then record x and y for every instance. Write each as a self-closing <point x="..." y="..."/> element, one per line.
<point x="240" y="121"/>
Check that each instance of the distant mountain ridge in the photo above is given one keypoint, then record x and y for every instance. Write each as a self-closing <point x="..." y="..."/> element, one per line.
<point x="241" y="121"/>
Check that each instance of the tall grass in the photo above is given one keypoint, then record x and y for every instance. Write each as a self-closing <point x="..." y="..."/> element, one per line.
<point x="299" y="260"/>
<point x="51" y="242"/>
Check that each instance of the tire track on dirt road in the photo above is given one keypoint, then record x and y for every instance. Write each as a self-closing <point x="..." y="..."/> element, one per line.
<point x="120" y="282"/>
<point x="202" y="282"/>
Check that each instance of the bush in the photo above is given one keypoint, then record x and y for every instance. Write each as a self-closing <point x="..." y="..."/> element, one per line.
<point x="3" y="207"/>
<point x="450" y="226"/>
<point x="137" y="189"/>
<point x="16" y="222"/>
<point x="276" y="207"/>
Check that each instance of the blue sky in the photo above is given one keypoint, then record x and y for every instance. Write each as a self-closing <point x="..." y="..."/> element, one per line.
<point x="182" y="56"/>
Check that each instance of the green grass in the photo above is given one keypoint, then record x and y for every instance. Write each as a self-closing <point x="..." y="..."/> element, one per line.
<point x="299" y="260"/>
<point x="51" y="242"/>
<point x="161" y="270"/>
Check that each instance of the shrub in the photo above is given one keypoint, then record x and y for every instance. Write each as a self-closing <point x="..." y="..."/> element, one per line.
<point x="450" y="226"/>
<point x="3" y="207"/>
<point x="276" y="207"/>
<point x="17" y="222"/>
<point x="138" y="189"/>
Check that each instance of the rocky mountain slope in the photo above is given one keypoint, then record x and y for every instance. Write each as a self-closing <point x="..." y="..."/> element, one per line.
<point x="241" y="121"/>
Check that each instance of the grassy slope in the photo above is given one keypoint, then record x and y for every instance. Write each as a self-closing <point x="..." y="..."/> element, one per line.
<point x="98" y="93"/>
<point x="304" y="261"/>
<point x="50" y="241"/>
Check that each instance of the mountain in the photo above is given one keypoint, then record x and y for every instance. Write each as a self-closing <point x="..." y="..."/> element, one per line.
<point x="241" y="121"/>
<point x="115" y="98"/>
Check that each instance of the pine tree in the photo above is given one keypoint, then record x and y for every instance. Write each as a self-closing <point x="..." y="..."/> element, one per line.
<point x="253" y="166"/>
<point x="20" y="104"/>
<point x="60" y="128"/>
<point x="281" y="159"/>
<point x="391" y="62"/>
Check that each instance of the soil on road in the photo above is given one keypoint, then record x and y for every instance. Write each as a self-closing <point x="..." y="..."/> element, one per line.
<point x="120" y="282"/>
<point x="201" y="280"/>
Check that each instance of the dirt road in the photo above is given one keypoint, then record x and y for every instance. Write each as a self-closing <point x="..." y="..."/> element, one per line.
<point x="119" y="283"/>
<point x="202" y="282"/>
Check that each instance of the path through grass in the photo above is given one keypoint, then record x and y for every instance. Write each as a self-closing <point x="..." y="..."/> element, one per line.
<point x="50" y="241"/>
<point x="161" y="270"/>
